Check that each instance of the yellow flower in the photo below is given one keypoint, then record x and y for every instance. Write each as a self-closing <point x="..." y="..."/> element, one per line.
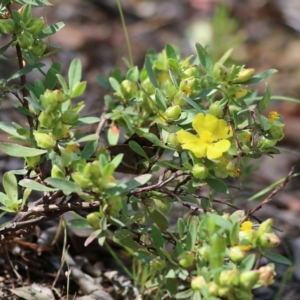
<point x="211" y="140"/>
<point x="246" y="226"/>
<point x="246" y="229"/>
<point x="273" y="115"/>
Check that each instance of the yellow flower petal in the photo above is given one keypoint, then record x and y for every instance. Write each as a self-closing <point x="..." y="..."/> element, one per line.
<point x="186" y="137"/>
<point x="216" y="150"/>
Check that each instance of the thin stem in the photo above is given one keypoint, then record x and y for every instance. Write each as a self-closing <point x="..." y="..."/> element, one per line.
<point x="125" y="32"/>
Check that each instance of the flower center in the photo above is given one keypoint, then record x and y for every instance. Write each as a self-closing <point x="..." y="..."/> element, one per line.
<point x="207" y="137"/>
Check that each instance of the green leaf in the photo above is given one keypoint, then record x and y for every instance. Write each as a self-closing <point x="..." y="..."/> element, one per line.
<point x="103" y="81"/>
<point x="157" y="237"/>
<point x="79" y="223"/>
<point x="33" y="185"/>
<point x="157" y="218"/>
<point x="204" y="59"/>
<point x="150" y="72"/>
<point x="117" y="160"/>
<point x="74" y="73"/>
<point x="234" y="233"/>
<point x="152" y="138"/>
<point x="222" y="222"/>
<point x="25" y="70"/>
<point x="275" y="257"/>
<point x="10" y="130"/>
<point x="217" y="185"/>
<point x="184" y="295"/>
<point x="133" y="74"/>
<point x="65" y="185"/>
<point x="137" y="181"/>
<point x="89" y="149"/>
<point x="113" y="136"/>
<point x="161" y="100"/>
<point x="170" y="51"/>
<point x="197" y="296"/>
<point x="52" y="29"/>
<point x="192" y="233"/>
<point x="114" y="84"/>
<point x="87" y="120"/>
<point x="262" y="76"/>
<point x="138" y="149"/>
<point x="88" y="138"/>
<point x="108" y="170"/>
<point x="35" y="3"/>
<point x="247" y="263"/>
<point x="181" y="227"/>
<point x="63" y="83"/>
<point x="51" y="78"/>
<point x="171" y="286"/>
<point x="218" y="251"/>
<point x="192" y="103"/>
<point x="265" y="101"/>
<point x="10" y="186"/>
<point x="20" y="151"/>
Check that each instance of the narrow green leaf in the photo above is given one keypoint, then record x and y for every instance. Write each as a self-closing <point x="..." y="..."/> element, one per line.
<point x="138" y="149"/>
<point x="117" y="160"/>
<point x="247" y="263"/>
<point x="63" y="83"/>
<point x="170" y="51"/>
<point x="51" y="78"/>
<point x="10" y="186"/>
<point x="114" y="84"/>
<point x="161" y="100"/>
<point x="33" y="185"/>
<point x="11" y="130"/>
<point x="262" y="76"/>
<point x="150" y="72"/>
<point x="87" y="120"/>
<point x="265" y="101"/>
<point x="20" y="151"/>
<point x="217" y="185"/>
<point x="234" y="233"/>
<point x="113" y="136"/>
<point x="25" y="70"/>
<point x="74" y="73"/>
<point x="192" y="233"/>
<point x="157" y="237"/>
<point x="89" y="149"/>
<point x="88" y="138"/>
<point x="218" y="251"/>
<point x="138" y="181"/>
<point x="79" y="223"/>
<point x="204" y="59"/>
<point x="52" y="29"/>
<point x="181" y="227"/>
<point x="171" y="286"/>
<point x="133" y="74"/>
<point x="157" y="218"/>
<point x="275" y="257"/>
<point x="35" y="3"/>
<point x="192" y="103"/>
<point x="65" y="185"/>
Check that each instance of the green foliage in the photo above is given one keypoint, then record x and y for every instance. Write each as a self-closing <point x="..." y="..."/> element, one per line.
<point x="188" y="125"/>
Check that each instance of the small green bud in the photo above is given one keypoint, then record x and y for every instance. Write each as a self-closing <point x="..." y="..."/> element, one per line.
<point x="60" y="97"/>
<point x="192" y="71"/>
<point x="173" y="141"/>
<point x="94" y="219"/>
<point x="81" y="180"/>
<point x="128" y="89"/>
<point x="229" y="277"/>
<point x="58" y="130"/>
<point x="56" y="172"/>
<point x="236" y="254"/>
<point x="148" y="86"/>
<point x="7" y="26"/>
<point x="25" y="40"/>
<point x="157" y="264"/>
<point x="265" y="226"/>
<point x="32" y="161"/>
<point x="187" y="85"/>
<point x="78" y="89"/>
<point x="69" y="117"/>
<point x="244" y="75"/>
<point x="268" y="240"/>
<point x="248" y="279"/>
<point x="186" y="259"/>
<point x="213" y="289"/>
<point x="36" y="25"/>
<point x="114" y="204"/>
<point x="170" y="90"/>
<point x="204" y="252"/>
<point x="162" y="204"/>
<point x="46" y="120"/>
<point x="216" y="109"/>
<point x="266" y="143"/>
<point x="240" y="93"/>
<point x="173" y="113"/>
<point x="38" y="48"/>
<point x="197" y="283"/>
<point x="277" y="131"/>
<point x="44" y="140"/>
<point x="200" y="171"/>
<point x="25" y="13"/>
<point x="178" y="100"/>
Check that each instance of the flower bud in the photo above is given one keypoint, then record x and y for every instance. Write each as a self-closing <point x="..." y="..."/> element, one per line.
<point x="277" y="131"/>
<point x="200" y="171"/>
<point x="265" y="226"/>
<point x="114" y="204"/>
<point x="128" y="89"/>
<point x="32" y="161"/>
<point x="212" y="288"/>
<point x="92" y="171"/>
<point x="25" y="40"/>
<point x="236" y="254"/>
<point x="157" y="264"/>
<point x="248" y="279"/>
<point x="7" y="26"/>
<point x="192" y="71"/>
<point x="173" y="141"/>
<point x="266" y="143"/>
<point x="229" y="277"/>
<point x="162" y="204"/>
<point x="170" y="90"/>
<point x="204" y="252"/>
<point x="58" y="130"/>
<point x="178" y="100"/>
<point x="56" y="172"/>
<point x="216" y="109"/>
<point x="60" y="97"/>
<point x="266" y="275"/>
<point x="268" y="240"/>
<point x="81" y="180"/>
<point x="240" y="93"/>
<point x="244" y="75"/>
<point x="25" y="13"/>
<point x="148" y="86"/>
<point x="186" y="259"/>
<point x="44" y="140"/>
<point x="197" y="283"/>
<point x="187" y="85"/>
<point x="173" y="113"/>
<point x="94" y="219"/>
<point x="38" y="48"/>
<point x="46" y="120"/>
<point x="36" y="25"/>
<point x="69" y="117"/>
